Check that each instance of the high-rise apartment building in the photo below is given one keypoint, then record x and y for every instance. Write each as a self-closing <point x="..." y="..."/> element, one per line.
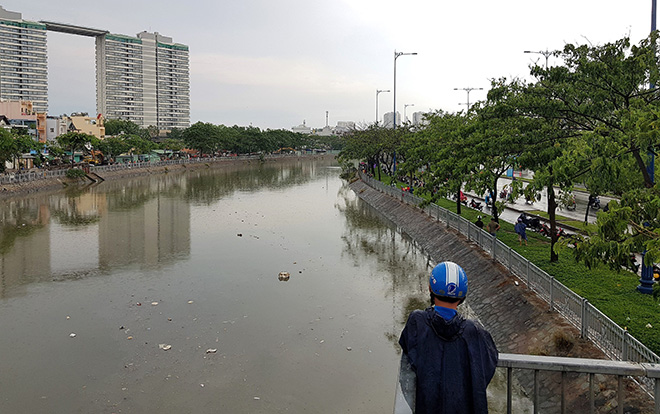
<point x="144" y="78"/>
<point x="23" y="60"/>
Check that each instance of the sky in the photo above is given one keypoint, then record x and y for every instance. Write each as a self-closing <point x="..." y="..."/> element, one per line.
<point x="278" y="63"/>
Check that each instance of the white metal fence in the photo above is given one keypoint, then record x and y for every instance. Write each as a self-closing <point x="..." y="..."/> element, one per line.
<point x="23" y="177"/>
<point x="615" y="341"/>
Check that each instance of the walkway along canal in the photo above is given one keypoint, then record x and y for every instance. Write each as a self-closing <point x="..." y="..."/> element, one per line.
<point x="517" y="318"/>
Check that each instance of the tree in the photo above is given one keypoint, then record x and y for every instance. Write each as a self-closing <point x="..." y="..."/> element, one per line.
<point x="601" y="94"/>
<point x="74" y="141"/>
<point x="113" y="146"/>
<point x="203" y="137"/>
<point x="115" y="127"/>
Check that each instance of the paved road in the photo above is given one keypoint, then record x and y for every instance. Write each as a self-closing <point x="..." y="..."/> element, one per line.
<point x="513" y="210"/>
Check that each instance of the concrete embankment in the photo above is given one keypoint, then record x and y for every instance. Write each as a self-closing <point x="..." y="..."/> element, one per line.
<point x="519" y="321"/>
<point x="56" y="184"/>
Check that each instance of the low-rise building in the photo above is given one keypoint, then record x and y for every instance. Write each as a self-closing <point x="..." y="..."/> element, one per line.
<point x="86" y="125"/>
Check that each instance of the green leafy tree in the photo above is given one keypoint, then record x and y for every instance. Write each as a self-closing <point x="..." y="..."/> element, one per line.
<point x="75" y="141"/>
<point x="115" y="127"/>
<point x="204" y="137"/>
<point x="113" y="146"/>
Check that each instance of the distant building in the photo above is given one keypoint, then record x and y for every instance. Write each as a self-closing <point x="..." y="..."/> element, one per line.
<point x="55" y="126"/>
<point x="344" y="127"/>
<point x="419" y="119"/>
<point x="144" y="79"/>
<point x="302" y="129"/>
<point x="86" y="125"/>
<point x="388" y="120"/>
<point x="23" y="60"/>
<point x="21" y="115"/>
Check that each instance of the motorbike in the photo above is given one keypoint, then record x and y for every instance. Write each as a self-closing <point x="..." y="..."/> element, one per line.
<point x="594" y="202"/>
<point x="545" y="230"/>
<point x="532" y="223"/>
<point x="571" y="205"/>
<point x="475" y="204"/>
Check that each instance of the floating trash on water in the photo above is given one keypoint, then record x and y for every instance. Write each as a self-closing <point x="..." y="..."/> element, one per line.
<point x="211" y="351"/>
<point x="129" y="337"/>
<point x="257" y="398"/>
<point x="348" y="348"/>
<point x="139" y="304"/>
<point x="68" y="317"/>
<point x="201" y="385"/>
<point x="190" y="301"/>
<point x="154" y="303"/>
<point x="240" y="234"/>
<point x="72" y="335"/>
<point x="284" y="276"/>
<point x="165" y="347"/>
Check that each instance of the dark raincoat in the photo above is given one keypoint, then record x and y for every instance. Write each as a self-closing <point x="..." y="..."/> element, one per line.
<point x="453" y="361"/>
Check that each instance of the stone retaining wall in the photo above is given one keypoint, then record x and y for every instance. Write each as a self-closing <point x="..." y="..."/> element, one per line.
<point x="518" y="320"/>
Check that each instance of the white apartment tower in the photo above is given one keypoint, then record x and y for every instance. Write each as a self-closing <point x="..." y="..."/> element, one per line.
<point x="23" y="60"/>
<point x="144" y="79"/>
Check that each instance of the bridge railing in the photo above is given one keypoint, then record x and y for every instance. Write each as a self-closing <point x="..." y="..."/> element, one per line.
<point x="647" y="373"/>
<point x="615" y="341"/>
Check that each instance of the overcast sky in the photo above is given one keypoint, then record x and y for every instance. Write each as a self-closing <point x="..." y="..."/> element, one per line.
<point x="275" y="63"/>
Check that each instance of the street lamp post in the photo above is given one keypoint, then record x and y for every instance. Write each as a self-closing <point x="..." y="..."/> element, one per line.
<point x="646" y="281"/>
<point x="545" y="53"/>
<point x="378" y="91"/>
<point x="468" y="90"/>
<point x="396" y="55"/>
<point x="405" y="118"/>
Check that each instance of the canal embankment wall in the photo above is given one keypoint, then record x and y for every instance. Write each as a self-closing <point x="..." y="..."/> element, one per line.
<point x="519" y="321"/>
<point x="37" y="180"/>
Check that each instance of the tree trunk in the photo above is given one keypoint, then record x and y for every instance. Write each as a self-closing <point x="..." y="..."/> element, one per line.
<point x="458" y="202"/>
<point x="552" y="208"/>
<point x="648" y="182"/>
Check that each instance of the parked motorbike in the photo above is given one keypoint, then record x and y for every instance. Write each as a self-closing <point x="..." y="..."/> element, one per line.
<point x="545" y="230"/>
<point x="475" y="204"/>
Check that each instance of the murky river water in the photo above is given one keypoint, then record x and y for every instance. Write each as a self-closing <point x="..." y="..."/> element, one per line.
<point x="191" y="260"/>
<point x="161" y="294"/>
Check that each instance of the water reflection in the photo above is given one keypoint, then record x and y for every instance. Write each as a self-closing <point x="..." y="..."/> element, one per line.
<point x="85" y="231"/>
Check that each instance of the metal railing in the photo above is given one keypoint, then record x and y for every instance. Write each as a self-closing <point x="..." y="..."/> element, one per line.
<point x="648" y="373"/>
<point x="18" y="177"/>
<point x="615" y="341"/>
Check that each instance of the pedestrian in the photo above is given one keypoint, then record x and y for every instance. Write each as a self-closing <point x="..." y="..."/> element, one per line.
<point x="453" y="358"/>
<point x="493" y="226"/>
<point x="520" y="228"/>
<point x="479" y="223"/>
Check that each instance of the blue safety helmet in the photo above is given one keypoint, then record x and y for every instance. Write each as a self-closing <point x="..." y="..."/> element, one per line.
<point x="448" y="280"/>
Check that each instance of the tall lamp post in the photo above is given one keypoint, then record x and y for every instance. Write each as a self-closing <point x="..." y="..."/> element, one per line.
<point x="468" y="90"/>
<point x="646" y="281"/>
<point x="396" y="56"/>
<point x="405" y="118"/>
<point x="378" y="91"/>
<point x="545" y="53"/>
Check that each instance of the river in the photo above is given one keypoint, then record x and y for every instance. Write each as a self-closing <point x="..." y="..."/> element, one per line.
<point x="161" y="294"/>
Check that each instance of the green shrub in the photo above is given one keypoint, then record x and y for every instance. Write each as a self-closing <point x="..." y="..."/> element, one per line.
<point x="75" y="173"/>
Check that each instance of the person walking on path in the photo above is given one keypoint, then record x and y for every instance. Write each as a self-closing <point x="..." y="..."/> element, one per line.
<point x="453" y="358"/>
<point x="493" y="226"/>
<point x="479" y="223"/>
<point x="520" y="228"/>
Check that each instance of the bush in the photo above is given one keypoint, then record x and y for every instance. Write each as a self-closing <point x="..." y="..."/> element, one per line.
<point x="75" y="173"/>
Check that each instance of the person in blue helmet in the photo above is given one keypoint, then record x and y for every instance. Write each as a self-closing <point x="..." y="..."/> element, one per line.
<point x="453" y="358"/>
